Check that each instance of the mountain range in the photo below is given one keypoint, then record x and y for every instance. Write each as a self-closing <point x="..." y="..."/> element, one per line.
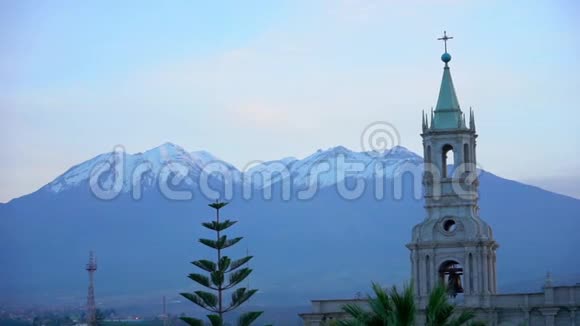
<point x="314" y="231"/>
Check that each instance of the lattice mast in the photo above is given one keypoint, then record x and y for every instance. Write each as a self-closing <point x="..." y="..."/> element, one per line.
<point x="165" y="315"/>
<point x="91" y="307"/>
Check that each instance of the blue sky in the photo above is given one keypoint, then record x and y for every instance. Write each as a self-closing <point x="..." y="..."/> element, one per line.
<point x="268" y="79"/>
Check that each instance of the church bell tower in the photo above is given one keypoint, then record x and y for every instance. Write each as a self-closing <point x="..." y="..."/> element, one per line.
<point x="452" y="244"/>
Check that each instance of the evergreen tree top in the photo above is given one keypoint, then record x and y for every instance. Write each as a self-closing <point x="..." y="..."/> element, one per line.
<point x="217" y="205"/>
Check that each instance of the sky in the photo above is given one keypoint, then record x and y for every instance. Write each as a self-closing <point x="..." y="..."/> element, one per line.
<point x="262" y="80"/>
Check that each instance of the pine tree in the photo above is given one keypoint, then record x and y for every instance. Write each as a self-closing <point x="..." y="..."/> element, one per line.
<point x="218" y="271"/>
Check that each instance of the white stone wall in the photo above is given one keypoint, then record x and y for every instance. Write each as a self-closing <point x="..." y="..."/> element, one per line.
<point x="554" y="306"/>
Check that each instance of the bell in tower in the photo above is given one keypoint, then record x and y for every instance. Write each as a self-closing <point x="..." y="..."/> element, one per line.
<point x="451" y="276"/>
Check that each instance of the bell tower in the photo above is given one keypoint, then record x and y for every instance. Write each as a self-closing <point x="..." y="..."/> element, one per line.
<point x="452" y="244"/>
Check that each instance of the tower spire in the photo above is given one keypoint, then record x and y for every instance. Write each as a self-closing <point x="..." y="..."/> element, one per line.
<point x="471" y="119"/>
<point x="448" y="113"/>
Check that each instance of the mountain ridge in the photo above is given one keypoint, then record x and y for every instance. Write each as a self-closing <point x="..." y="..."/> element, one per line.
<point x="168" y="152"/>
<point x="303" y="248"/>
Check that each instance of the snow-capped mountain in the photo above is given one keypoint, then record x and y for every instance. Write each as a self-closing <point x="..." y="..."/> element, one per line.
<point x="303" y="248"/>
<point x="261" y="174"/>
<point x="323" y="168"/>
<point x="127" y="171"/>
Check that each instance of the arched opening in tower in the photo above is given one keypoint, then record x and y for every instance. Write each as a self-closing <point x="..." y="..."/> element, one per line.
<point x="451" y="274"/>
<point x="447" y="158"/>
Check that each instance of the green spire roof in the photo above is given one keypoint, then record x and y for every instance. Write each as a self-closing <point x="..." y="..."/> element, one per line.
<point x="447" y="100"/>
<point x="448" y="114"/>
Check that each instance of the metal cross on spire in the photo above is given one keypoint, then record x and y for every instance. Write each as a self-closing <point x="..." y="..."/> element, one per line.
<point x="445" y="38"/>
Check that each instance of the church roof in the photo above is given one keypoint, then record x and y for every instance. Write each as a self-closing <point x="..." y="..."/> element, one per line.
<point x="448" y="114"/>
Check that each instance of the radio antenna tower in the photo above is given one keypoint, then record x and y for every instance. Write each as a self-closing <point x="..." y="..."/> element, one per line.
<point x="165" y="316"/>
<point x="91" y="307"/>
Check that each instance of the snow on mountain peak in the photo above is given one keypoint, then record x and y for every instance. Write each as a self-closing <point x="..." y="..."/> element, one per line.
<point x="165" y="152"/>
<point x="396" y="152"/>
<point x="324" y="166"/>
<point x="142" y="165"/>
<point x="203" y="156"/>
<point x="288" y="159"/>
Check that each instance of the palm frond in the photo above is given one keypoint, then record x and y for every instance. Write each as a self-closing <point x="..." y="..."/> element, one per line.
<point x="438" y="308"/>
<point x="404" y="306"/>
<point x="356" y="312"/>
<point x="381" y="304"/>
<point x="462" y="319"/>
<point x="350" y="322"/>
